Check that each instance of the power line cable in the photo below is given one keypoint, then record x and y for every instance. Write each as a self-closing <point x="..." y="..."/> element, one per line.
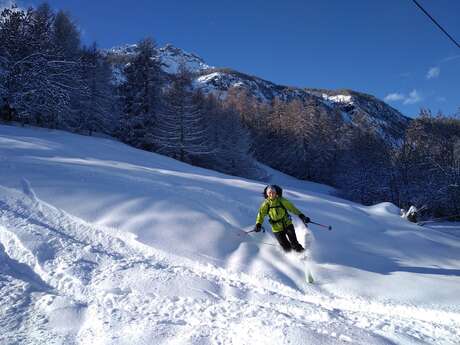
<point x="437" y="24"/>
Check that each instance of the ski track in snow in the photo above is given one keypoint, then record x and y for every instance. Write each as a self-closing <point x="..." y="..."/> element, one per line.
<point x="66" y="281"/>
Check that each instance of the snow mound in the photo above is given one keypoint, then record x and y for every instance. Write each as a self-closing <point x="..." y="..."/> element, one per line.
<point x="385" y="208"/>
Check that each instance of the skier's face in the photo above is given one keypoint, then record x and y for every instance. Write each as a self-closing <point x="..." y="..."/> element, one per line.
<point x="271" y="194"/>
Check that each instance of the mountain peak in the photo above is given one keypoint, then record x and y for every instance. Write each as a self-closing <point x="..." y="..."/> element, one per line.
<point x="172" y="57"/>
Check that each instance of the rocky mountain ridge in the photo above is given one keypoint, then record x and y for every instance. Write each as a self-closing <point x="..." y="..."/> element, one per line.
<point x="386" y="120"/>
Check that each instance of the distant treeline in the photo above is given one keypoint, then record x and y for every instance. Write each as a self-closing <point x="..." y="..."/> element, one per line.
<point x="47" y="78"/>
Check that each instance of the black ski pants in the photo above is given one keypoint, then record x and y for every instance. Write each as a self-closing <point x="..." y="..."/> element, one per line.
<point x="288" y="239"/>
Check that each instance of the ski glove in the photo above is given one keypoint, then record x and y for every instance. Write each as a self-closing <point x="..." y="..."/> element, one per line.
<point x="304" y="218"/>
<point x="258" y="227"/>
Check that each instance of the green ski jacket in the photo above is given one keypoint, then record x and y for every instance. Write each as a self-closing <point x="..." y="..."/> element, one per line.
<point x="276" y="210"/>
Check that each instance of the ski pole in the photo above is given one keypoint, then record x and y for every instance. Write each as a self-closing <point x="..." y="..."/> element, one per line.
<point x="252" y="239"/>
<point x="329" y="227"/>
<point x="434" y="220"/>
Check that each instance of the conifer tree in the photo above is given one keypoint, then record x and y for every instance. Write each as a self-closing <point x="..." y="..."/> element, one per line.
<point x="96" y="108"/>
<point x="66" y="37"/>
<point x="182" y="131"/>
<point x="37" y="83"/>
<point x="41" y="27"/>
<point x="139" y="97"/>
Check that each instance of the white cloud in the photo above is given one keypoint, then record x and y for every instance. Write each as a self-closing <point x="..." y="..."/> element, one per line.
<point x="393" y="97"/>
<point x="441" y="99"/>
<point x="413" y="97"/>
<point x="450" y="58"/>
<point x="433" y="72"/>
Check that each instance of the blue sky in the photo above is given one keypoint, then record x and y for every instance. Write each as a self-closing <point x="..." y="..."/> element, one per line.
<point x="389" y="49"/>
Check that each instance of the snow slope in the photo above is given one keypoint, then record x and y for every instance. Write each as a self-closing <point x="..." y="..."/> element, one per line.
<point x="104" y="244"/>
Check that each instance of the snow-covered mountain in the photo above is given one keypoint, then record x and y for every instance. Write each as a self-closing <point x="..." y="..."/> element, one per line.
<point x="387" y="121"/>
<point x="101" y="243"/>
<point x="170" y="56"/>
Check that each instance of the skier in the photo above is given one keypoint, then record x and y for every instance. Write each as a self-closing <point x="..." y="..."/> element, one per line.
<point x="277" y="207"/>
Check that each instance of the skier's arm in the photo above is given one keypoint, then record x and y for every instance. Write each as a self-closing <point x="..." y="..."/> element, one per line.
<point x="290" y="206"/>
<point x="263" y="210"/>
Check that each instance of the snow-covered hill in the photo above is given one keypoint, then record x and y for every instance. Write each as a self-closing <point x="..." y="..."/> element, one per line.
<point x="101" y="243"/>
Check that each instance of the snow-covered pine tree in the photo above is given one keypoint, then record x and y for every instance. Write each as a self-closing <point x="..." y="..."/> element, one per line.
<point x="66" y="37"/>
<point x="140" y="97"/>
<point x="182" y="131"/>
<point x="97" y="108"/>
<point x="41" y="22"/>
<point x="13" y="48"/>
<point x="37" y="82"/>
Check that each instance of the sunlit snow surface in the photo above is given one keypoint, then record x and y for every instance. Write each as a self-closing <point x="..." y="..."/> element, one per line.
<point x="104" y="244"/>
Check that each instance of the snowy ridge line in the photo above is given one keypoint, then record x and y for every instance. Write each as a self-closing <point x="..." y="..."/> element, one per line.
<point x="138" y="253"/>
